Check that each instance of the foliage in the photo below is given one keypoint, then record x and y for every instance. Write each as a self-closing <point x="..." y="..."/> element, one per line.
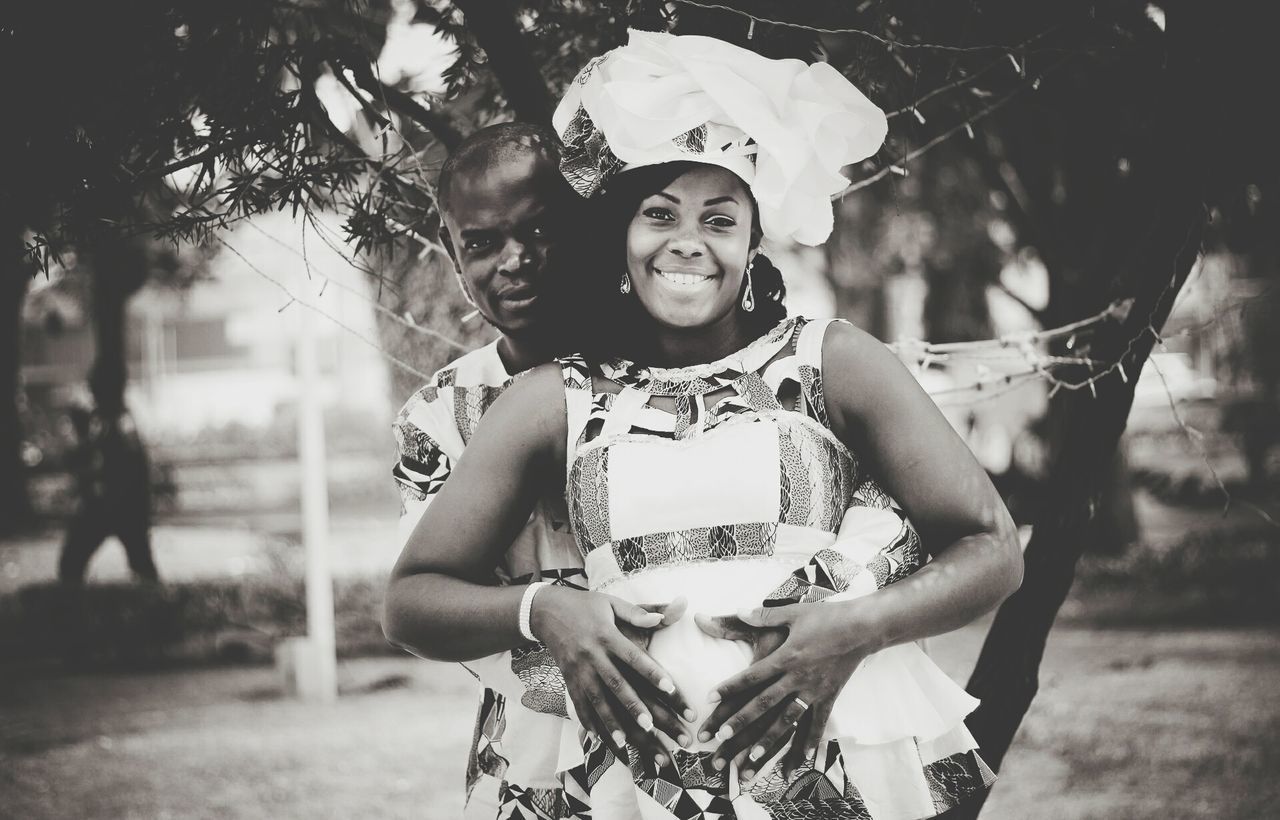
<point x="112" y="94"/>
<point x="1227" y="575"/>
<point x="227" y="97"/>
<point x="226" y="620"/>
<point x="228" y="93"/>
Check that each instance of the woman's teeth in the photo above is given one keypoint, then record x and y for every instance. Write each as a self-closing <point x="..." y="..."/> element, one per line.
<point x="682" y="278"/>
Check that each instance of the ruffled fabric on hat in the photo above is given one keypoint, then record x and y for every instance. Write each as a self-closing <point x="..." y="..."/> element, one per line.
<point x="785" y="127"/>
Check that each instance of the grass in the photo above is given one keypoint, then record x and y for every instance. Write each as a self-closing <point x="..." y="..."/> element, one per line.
<point x="1227" y="575"/>
<point x="228" y="620"/>
<point x="1148" y="707"/>
<point x="1130" y="723"/>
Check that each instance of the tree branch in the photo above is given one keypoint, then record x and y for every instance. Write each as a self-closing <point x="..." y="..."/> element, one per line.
<point x="1036" y="313"/>
<point x="195" y="159"/>
<point x="493" y="24"/>
<point x="441" y="125"/>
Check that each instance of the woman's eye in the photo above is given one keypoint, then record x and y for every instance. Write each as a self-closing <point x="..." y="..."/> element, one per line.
<point x="476" y="244"/>
<point x="658" y="213"/>
<point x="721" y="222"/>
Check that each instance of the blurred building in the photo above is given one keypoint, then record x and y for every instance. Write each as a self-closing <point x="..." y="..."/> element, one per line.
<point x="211" y="366"/>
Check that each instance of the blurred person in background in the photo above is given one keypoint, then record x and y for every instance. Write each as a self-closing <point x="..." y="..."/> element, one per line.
<point x="113" y="488"/>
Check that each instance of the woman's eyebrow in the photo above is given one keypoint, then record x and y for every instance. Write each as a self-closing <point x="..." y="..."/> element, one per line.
<point x="716" y="200"/>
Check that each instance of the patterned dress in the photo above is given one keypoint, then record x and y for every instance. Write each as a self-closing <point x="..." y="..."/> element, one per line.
<point x="723" y="483"/>
<point x="511" y="769"/>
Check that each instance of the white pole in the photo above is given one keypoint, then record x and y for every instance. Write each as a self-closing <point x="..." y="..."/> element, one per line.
<point x="319" y="680"/>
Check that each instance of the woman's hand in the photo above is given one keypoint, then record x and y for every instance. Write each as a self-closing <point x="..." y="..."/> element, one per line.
<point x="617" y="689"/>
<point x="789" y="692"/>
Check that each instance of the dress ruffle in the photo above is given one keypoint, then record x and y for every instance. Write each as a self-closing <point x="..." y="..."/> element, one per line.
<point x="898" y="693"/>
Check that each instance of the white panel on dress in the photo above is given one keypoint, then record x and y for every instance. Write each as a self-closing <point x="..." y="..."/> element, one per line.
<point x="678" y="485"/>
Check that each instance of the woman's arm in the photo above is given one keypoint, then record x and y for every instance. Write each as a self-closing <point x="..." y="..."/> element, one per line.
<point x="441" y="603"/>
<point x="879" y="410"/>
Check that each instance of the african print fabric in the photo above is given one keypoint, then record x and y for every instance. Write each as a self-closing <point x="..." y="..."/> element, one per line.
<point x="722" y="483"/>
<point x="511" y="770"/>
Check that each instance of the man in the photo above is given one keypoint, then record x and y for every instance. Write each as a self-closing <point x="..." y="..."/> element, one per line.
<point x="505" y="212"/>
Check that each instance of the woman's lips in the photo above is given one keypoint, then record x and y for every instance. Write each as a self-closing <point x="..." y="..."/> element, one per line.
<point x="683" y="278"/>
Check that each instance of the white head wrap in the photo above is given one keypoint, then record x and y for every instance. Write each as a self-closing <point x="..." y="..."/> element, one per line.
<point x="785" y="127"/>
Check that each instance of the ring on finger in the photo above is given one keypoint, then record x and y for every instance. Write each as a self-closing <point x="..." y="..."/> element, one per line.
<point x="804" y="706"/>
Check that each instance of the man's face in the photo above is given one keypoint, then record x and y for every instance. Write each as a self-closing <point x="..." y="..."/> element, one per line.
<point x="503" y="228"/>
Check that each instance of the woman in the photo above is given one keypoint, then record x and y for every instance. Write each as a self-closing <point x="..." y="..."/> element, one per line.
<point x="720" y="471"/>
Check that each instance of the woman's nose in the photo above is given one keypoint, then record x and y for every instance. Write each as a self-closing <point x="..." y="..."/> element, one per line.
<point x="687" y="245"/>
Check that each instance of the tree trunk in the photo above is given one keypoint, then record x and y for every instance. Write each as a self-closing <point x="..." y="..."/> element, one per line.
<point x="1146" y="232"/>
<point x="1084" y="433"/>
<point x="119" y="270"/>
<point x="495" y="29"/>
<point x="15" y="500"/>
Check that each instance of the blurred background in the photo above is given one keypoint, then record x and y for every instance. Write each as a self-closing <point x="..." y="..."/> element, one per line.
<point x="251" y="292"/>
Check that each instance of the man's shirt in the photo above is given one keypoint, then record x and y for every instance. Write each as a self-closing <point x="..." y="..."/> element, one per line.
<point x="513" y="753"/>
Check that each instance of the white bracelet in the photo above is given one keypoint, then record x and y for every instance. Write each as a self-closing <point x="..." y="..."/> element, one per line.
<point x="526" y="608"/>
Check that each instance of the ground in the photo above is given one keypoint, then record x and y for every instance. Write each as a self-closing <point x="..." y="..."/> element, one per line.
<point x="1164" y="723"/>
<point x="1128" y="724"/>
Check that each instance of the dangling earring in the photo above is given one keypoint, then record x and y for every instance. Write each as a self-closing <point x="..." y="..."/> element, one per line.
<point x="748" y="298"/>
<point x="625" y="285"/>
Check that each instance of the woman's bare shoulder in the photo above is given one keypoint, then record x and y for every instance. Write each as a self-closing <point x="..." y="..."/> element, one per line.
<point x="531" y="410"/>
<point x="862" y="377"/>
<point x="844" y="344"/>
<point x="543" y="379"/>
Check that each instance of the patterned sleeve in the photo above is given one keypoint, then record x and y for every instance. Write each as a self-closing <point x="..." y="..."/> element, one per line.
<point x="527" y="674"/>
<point x="422" y="461"/>
<point x="428" y="442"/>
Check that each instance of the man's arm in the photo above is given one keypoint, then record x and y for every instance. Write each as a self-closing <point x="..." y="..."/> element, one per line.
<point x="428" y="445"/>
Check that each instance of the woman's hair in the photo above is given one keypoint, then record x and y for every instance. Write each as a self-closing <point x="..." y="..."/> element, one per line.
<point x="616" y="321"/>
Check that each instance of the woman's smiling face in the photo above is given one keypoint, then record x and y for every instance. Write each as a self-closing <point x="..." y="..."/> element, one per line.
<point x="688" y="246"/>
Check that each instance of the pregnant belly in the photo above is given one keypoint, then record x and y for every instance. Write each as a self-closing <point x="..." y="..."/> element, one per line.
<point x="696" y="661"/>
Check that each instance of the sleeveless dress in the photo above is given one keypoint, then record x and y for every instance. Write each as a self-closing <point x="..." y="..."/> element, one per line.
<point x="723" y="483"/>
